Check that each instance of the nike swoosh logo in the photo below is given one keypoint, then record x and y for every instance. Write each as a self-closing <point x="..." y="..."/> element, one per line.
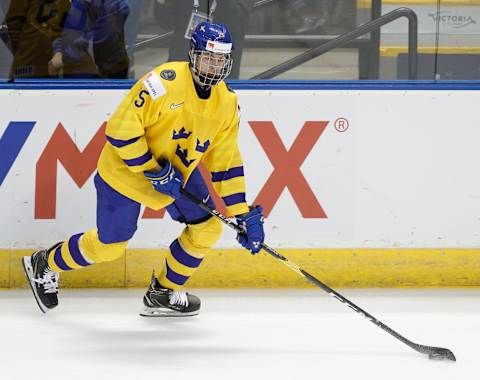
<point x="174" y="106"/>
<point x="205" y="200"/>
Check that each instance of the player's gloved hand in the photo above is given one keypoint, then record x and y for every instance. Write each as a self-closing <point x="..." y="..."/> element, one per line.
<point x="252" y="223"/>
<point x="168" y="181"/>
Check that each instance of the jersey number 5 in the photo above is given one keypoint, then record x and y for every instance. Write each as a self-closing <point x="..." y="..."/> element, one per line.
<point x="141" y="101"/>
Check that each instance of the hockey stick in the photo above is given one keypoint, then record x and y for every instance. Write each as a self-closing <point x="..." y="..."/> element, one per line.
<point x="432" y="352"/>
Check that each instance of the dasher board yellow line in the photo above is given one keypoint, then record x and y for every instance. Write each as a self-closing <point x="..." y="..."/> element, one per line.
<point x="393" y="51"/>
<point x="404" y="3"/>
<point x="236" y="268"/>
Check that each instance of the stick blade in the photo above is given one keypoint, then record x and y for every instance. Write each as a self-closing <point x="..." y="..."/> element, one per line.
<point x="437" y="353"/>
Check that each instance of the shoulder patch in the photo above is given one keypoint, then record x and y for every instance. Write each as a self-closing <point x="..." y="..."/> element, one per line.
<point x="154" y="85"/>
<point x="168" y="74"/>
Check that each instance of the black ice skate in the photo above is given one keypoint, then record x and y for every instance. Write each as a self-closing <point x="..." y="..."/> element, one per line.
<point x="42" y="280"/>
<point x="162" y="302"/>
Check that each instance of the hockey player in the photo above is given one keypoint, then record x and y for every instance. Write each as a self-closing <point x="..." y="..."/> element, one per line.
<point x="178" y="115"/>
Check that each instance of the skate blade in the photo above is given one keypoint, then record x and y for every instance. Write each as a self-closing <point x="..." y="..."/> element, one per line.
<point x="27" y="267"/>
<point x="164" y="312"/>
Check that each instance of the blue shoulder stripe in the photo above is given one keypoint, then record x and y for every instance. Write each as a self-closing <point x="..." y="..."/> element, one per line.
<point x="121" y="143"/>
<point x="228" y="174"/>
<point x="234" y="199"/>
<point x="139" y="160"/>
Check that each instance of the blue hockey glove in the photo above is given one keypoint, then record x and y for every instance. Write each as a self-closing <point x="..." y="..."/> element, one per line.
<point x="252" y="223"/>
<point x="168" y="181"/>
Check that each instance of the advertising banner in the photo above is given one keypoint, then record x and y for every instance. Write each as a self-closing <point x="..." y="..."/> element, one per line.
<point x="452" y="19"/>
<point x="333" y="169"/>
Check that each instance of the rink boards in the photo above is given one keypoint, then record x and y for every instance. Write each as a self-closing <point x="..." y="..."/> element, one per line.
<point x="363" y="184"/>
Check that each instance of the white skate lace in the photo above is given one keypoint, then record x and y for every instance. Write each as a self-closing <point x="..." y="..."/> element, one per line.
<point x="49" y="281"/>
<point x="178" y="298"/>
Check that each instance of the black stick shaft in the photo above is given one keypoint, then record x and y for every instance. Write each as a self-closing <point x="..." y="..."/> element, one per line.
<point x="432" y="351"/>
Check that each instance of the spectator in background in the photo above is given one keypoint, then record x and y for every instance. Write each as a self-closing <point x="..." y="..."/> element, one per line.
<point x="233" y="13"/>
<point x="32" y="26"/>
<point x="6" y="56"/>
<point x="97" y="26"/>
<point x="318" y="16"/>
<point x="108" y="37"/>
<point x="131" y="32"/>
<point x="304" y="16"/>
<point x="71" y="57"/>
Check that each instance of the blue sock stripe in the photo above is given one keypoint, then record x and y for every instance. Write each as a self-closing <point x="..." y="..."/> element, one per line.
<point x="74" y="248"/>
<point x="58" y="259"/>
<point x="182" y="256"/>
<point x="175" y="277"/>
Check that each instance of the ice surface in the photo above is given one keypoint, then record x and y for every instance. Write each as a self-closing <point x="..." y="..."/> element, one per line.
<point x="240" y="334"/>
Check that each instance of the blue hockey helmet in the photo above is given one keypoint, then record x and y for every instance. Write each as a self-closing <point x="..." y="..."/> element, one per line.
<point x="210" y="53"/>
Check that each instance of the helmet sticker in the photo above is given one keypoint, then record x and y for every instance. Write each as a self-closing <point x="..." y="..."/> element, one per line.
<point x="219" y="47"/>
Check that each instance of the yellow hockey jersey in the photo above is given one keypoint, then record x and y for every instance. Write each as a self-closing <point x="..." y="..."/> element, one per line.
<point x="162" y="117"/>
